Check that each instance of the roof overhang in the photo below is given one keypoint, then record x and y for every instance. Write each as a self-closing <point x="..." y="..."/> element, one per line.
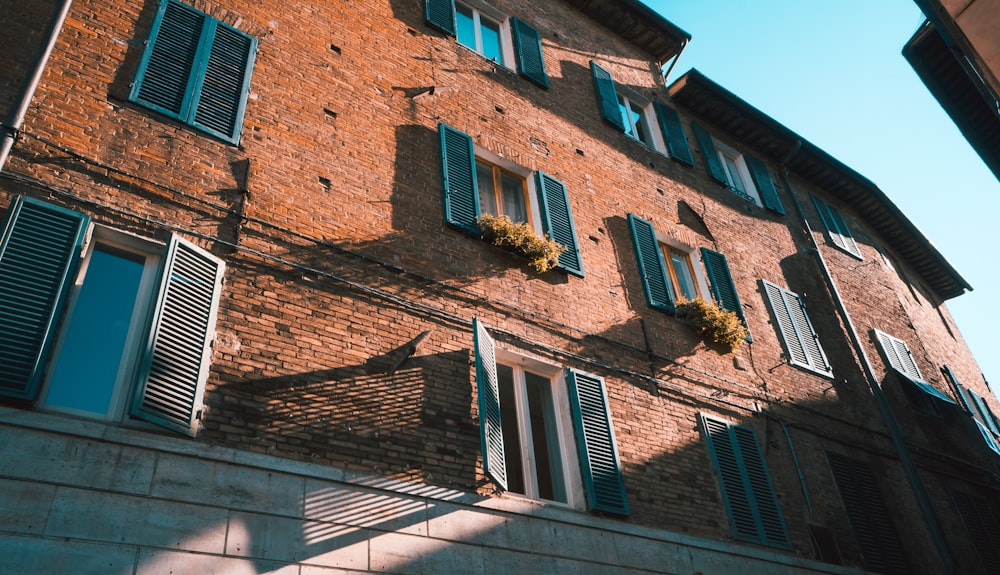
<point x="639" y="24"/>
<point x="765" y="136"/>
<point x="960" y="91"/>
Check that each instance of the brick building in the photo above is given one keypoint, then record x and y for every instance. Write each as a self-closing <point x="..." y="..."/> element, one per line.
<point x="252" y="325"/>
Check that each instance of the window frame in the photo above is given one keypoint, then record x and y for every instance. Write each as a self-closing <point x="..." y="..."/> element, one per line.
<point x="629" y="102"/>
<point x="529" y="193"/>
<point x="480" y="10"/>
<point x="739" y="162"/>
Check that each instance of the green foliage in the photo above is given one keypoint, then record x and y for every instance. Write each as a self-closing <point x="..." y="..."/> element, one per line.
<point x="542" y="252"/>
<point x="714" y="324"/>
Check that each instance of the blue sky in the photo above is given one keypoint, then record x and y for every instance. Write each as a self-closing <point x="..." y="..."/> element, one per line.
<point x="833" y="72"/>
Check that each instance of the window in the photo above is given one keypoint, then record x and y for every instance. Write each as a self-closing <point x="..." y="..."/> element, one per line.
<point x="482" y="29"/>
<point x="670" y="270"/>
<point x="881" y="550"/>
<point x="976" y="406"/>
<point x="526" y="436"/>
<point x="197" y="70"/>
<point x="744" y="175"/>
<point x="795" y="329"/>
<point x="839" y="235"/>
<point x="982" y="527"/>
<point x="541" y="200"/>
<point x="628" y="113"/>
<point x="153" y="306"/>
<point x="747" y="492"/>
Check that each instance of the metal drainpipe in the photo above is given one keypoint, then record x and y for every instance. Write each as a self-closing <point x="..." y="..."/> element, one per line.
<point x="12" y="123"/>
<point x="888" y="418"/>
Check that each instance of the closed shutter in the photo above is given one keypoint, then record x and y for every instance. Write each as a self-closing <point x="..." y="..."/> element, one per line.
<point x="440" y="14"/>
<point x="528" y="46"/>
<point x="880" y="547"/>
<point x="982" y="528"/>
<point x="673" y="133"/>
<point x="764" y="183"/>
<point x="458" y="167"/>
<point x="652" y="267"/>
<point x="607" y="95"/>
<point x="898" y="355"/>
<point x="164" y="79"/>
<point x="745" y="484"/>
<point x="602" y="472"/>
<point x="488" y="388"/>
<point x="558" y="221"/>
<point x="180" y="341"/>
<point x="795" y="329"/>
<point x="222" y="95"/>
<point x="708" y="153"/>
<point x="39" y="250"/>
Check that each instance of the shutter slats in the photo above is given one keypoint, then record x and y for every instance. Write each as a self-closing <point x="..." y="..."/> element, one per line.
<point x="458" y="167"/>
<point x="490" y="421"/>
<point x="220" y="101"/>
<point x="982" y="527"/>
<point x="836" y="228"/>
<point x="164" y="77"/>
<point x="558" y="221"/>
<point x="528" y="46"/>
<point x="652" y="267"/>
<point x="795" y="329"/>
<point x="38" y="251"/>
<point x="596" y="441"/>
<point x="607" y="95"/>
<point x="673" y="133"/>
<point x="713" y="165"/>
<point x="765" y="185"/>
<point x="440" y="14"/>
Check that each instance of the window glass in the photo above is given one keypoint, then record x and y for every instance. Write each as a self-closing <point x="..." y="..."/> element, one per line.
<point x="479" y="33"/>
<point x="487" y="193"/>
<point x="490" y="32"/>
<point x="511" y="429"/>
<point x="93" y="349"/>
<point x="513" y="197"/>
<point x="681" y="270"/>
<point x="465" y="26"/>
<point x="510" y="201"/>
<point x="634" y="120"/>
<point x="545" y="439"/>
<point x="733" y="173"/>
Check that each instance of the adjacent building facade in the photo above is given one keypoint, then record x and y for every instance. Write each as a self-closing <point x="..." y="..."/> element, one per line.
<point x="255" y="320"/>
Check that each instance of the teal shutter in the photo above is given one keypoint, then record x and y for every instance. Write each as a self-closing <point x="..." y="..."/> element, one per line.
<point x="607" y="95"/>
<point x="602" y="471"/>
<point x="458" y="167"/>
<point x="673" y="133"/>
<point x="440" y="14"/>
<point x="39" y="250"/>
<point x="488" y="386"/>
<point x="197" y="70"/>
<point x="795" y="329"/>
<point x="528" y="46"/>
<point x="984" y="532"/>
<point x="708" y="153"/>
<point x="723" y="287"/>
<point x="836" y="227"/>
<point x="765" y="185"/>
<point x="880" y="547"/>
<point x="558" y="221"/>
<point x="745" y="484"/>
<point x="957" y="388"/>
<point x="175" y="368"/>
<point x="652" y="267"/>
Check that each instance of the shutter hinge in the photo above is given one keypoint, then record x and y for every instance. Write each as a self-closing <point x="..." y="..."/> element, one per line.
<point x="198" y="415"/>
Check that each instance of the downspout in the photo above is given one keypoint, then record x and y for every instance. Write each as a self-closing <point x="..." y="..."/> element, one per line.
<point x="12" y="123"/>
<point x="888" y="418"/>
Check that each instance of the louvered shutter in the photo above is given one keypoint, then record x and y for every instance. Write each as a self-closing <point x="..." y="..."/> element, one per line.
<point x="440" y="14"/>
<point x="458" y="167"/>
<point x="880" y="547"/>
<point x="602" y="472"/>
<point x="745" y="484"/>
<point x="958" y="388"/>
<point x="175" y="367"/>
<point x="488" y="386"/>
<point x="652" y="267"/>
<point x="224" y="82"/>
<point x="528" y="46"/>
<point x="39" y="251"/>
<point x="765" y="185"/>
<point x="607" y="95"/>
<point x="713" y="165"/>
<point x="836" y="228"/>
<point x="982" y="528"/>
<point x="673" y="133"/>
<point x="795" y="329"/>
<point x="558" y="221"/>
<point x="898" y="354"/>
<point x="723" y="287"/>
<point x="164" y="80"/>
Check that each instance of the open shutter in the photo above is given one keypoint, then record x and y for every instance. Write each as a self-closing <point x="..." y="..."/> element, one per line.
<point x="723" y="287"/>
<point x="558" y="221"/>
<point x="175" y="368"/>
<point x="708" y="153"/>
<point x="221" y="96"/>
<point x="39" y="250"/>
<point x="458" y="168"/>
<point x="795" y="329"/>
<point x="747" y="492"/>
<point x="673" y="133"/>
<point x="488" y="386"/>
<point x="528" y="46"/>
<point x="836" y="228"/>
<point x="164" y="78"/>
<point x="898" y="354"/>
<point x="652" y="267"/>
<point x="440" y="14"/>
<point x="602" y="472"/>
<point x="607" y="95"/>
<point x="866" y="510"/>
<point x="765" y="185"/>
<point x="958" y="388"/>
<point x="984" y="531"/>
